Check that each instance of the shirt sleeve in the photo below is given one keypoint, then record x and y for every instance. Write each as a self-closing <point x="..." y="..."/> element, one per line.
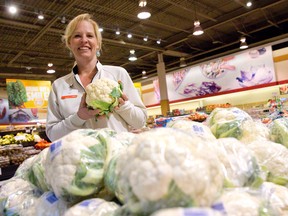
<point x="57" y="125"/>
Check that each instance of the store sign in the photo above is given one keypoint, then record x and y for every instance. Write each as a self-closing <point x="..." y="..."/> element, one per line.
<point x="244" y="69"/>
<point x="138" y="87"/>
<point x="24" y="94"/>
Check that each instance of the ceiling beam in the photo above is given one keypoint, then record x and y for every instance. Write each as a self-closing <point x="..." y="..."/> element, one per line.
<point x="44" y="29"/>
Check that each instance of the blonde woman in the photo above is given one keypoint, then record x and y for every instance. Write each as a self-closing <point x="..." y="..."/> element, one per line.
<point x="67" y="110"/>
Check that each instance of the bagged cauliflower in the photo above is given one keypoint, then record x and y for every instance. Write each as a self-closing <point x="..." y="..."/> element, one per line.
<point x="18" y="197"/>
<point x="74" y="166"/>
<point x="103" y="94"/>
<point x="195" y="129"/>
<point x="92" y="207"/>
<point x="110" y="177"/>
<point x="166" y="168"/>
<point x="273" y="159"/>
<point x="279" y="131"/>
<point x="35" y="174"/>
<point x="189" y="211"/>
<point x="226" y="122"/>
<point x="245" y="202"/>
<point x="240" y="165"/>
<point x="277" y="196"/>
<point x="254" y="130"/>
<point x="49" y="205"/>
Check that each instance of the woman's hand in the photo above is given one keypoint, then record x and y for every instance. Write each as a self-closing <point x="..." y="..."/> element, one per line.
<point x="84" y="112"/>
<point x="122" y="101"/>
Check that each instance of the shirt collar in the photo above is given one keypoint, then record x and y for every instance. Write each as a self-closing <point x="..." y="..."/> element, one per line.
<point x="98" y="65"/>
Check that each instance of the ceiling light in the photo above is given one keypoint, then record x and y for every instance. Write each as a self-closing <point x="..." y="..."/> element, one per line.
<point x="51" y="71"/>
<point x="158" y="41"/>
<point x="40" y="15"/>
<point x="249" y="4"/>
<point x="145" y="38"/>
<point x="144" y="74"/>
<point x="63" y="19"/>
<point x="129" y="35"/>
<point x="182" y="62"/>
<point x="197" y="28"/>
<point x="101" y="29"/>
<point x="12" y="9"/>
<point x="117" y="31"/>
<point x="143" y="12"/>
<point x="243" y="44"/>
<point x="50" y="64"/>
<point x="132" y="56"/>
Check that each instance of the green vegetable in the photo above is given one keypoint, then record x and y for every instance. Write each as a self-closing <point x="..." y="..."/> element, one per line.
<point x="17" y="95"/>
<point x="103" y="94"/>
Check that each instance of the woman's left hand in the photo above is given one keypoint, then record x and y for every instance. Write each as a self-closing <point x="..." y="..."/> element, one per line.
<point x="122" y="101"/>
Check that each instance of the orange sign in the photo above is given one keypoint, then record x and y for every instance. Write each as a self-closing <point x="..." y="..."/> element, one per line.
<point x="28" y="93"/>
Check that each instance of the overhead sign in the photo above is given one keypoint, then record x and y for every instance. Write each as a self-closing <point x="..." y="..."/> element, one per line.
<point x="27" y="93"/>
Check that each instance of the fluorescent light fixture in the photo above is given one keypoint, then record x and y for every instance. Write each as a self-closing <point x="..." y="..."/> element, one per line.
<point x="197" y="28"/>
<point x="132" y="56"/>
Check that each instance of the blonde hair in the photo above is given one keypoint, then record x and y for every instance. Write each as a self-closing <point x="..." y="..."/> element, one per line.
<point x="73" y="24"/>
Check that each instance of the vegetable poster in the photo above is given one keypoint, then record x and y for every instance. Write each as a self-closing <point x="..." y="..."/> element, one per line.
<point x="27" y="93"/>
<point x="244" y="69"/>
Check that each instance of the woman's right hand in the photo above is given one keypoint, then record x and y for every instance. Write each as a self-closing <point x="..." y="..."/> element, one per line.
<point x="84" y="112"/>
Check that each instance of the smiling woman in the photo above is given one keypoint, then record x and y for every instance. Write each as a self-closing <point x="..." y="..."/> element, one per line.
<point x="66" y="113"/>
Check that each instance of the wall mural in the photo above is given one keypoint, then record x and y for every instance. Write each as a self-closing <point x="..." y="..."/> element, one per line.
<point x="246" y="69"/>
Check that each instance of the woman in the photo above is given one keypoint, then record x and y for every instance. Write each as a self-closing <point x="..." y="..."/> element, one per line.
<point x="67" y="109"/>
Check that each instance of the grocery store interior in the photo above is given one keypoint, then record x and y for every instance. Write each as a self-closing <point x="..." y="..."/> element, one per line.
<point x="185" y="57"/>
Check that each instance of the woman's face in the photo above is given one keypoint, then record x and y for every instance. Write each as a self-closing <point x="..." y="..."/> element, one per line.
<point x="83" y="42"/>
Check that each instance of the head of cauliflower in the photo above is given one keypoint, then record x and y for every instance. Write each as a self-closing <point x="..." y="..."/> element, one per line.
<point x="103" y="94"/>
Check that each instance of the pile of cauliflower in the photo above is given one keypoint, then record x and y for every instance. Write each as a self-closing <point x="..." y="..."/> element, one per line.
<point x="186" y="168"/>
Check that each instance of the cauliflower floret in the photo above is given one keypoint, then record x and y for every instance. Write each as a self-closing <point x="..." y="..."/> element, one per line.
<point x="103" y="94"/>
<point x="166" y="167"/>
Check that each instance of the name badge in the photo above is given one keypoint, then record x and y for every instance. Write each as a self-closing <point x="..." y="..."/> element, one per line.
<point x="73" y="93"/>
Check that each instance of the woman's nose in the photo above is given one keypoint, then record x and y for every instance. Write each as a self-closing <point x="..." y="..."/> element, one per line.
<point x="84" y="39"/>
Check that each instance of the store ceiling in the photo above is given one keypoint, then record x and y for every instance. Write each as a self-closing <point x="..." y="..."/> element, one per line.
<point x="28" y="44"/>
